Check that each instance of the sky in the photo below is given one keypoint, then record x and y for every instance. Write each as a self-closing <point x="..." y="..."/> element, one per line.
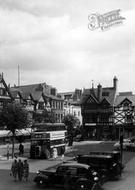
<point x="50" y="42"/>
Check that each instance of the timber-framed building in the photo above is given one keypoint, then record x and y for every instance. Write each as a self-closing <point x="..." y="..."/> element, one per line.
<point x="106" y="113"/>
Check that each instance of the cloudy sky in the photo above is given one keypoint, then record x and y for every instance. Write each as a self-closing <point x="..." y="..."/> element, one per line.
<point x="51" y="42"/>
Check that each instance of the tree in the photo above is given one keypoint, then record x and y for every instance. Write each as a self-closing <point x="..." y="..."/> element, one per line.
<point x="47" y="116"/>
<point x="14" y="117"/>
<point x="71" y="122"/>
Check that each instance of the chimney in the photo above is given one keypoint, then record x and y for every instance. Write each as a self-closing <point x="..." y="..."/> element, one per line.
<point x="115" y="82"/>
<point x="99" y="93"/>
<point x="54" y="91"/>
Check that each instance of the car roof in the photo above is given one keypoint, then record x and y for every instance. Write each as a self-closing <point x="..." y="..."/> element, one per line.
<point x="75" y="164"/>
<point x="96" y="156"/>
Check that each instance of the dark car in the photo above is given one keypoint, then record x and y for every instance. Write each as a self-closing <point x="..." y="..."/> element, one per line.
<point x="75" y="175"/>
<point x="116" y="156"/>
<point x="105" y="165"/>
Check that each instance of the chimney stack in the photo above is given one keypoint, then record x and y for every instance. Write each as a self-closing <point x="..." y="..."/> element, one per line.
<point x="115" y="82"/>
<point x="99" y="93"/>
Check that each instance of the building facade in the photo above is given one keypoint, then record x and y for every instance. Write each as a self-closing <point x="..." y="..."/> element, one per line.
<point x="106" y="113"/>
<point x="71" y="103"/>
<point x="97" y="111"/>
<point x="35" y="98"/>
<point x="5" y="94"/>
<point x="40" y="97"/>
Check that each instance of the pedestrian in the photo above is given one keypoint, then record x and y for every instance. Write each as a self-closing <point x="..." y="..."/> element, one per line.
<point x="14" y="169"/>
<point x="8" y="151"/>
<point x="25" y="170"/>
<point x="20" y="170"/>
<point x="21" y="149"/>
<point x="55" y="153"/>
<point x="62" y="152"/>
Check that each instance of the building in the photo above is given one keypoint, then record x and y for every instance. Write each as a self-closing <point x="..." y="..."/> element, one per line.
<point x="97" y="111"/>
<point x="71" y="103"/>
<point x="124" y="114"/>
<point x="5" y="94"/>
<point x="40" y="97"/>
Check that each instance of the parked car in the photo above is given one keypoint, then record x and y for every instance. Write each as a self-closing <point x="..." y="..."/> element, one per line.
<point x="126" y="142"/>
<point x="81" y="176"/>
<point x="105" y="165"/>
<point x="116" y="156"/>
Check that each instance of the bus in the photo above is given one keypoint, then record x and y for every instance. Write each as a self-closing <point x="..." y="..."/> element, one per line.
<point x="45" y="137"/>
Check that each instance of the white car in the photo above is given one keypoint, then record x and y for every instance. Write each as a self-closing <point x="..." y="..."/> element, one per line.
<point x="126" y="142"/>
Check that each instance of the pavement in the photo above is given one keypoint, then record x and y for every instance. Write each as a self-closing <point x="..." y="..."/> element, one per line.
<point x="127" y="181"/>
<point x="36" y="164"/>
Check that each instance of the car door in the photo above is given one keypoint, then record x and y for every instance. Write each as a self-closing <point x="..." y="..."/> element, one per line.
<point x="59" y="176"/>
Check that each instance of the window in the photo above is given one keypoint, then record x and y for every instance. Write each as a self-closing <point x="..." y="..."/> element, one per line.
<point x="41" y="105"/>
<point x="61" y="170"/>
<point x="73" y="170"/>
<point x="105" y="94"/>
<point x="1" y="91"/>
<point x="1" y="103"/>
<point x="82" y="172"/>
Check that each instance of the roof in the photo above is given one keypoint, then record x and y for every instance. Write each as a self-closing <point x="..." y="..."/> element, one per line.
<point x="108" y="93"/>
<point x="35" y="90"/>
<point x="121" y="97"/>
<point x="96" y="156"/>
<point x="75" y="164"/>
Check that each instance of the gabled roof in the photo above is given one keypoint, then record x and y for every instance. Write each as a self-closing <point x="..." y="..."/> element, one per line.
<point x="108" y="93"/>
<point x="121" y="98"/>
<point x="35" y="90"/>
<point x="105" y="101"/>
<point x="5" y="86"/>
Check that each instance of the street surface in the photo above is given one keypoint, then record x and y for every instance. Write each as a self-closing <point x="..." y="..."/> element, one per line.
<point x="127" y="181"/>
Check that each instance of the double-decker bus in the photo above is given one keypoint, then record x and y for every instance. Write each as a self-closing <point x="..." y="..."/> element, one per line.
<point x="45" y="137"/>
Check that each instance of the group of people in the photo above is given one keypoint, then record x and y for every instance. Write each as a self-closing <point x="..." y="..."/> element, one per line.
<point x="20" y="170"/>
<point x="55" y="153"/>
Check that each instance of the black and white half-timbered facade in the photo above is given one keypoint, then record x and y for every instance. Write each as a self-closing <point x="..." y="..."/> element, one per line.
<point x="106" y="113"/>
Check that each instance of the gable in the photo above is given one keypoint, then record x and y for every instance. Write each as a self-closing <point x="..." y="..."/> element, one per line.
<point x="125" y="102"/>
<point x="91" y="100"/>
<point x="105" y="102"/>
<point x="41" y="99"/>
<point x="4" y="91"/>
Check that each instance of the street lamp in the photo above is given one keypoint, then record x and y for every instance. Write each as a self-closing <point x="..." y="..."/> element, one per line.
<point x="121" y="145"/>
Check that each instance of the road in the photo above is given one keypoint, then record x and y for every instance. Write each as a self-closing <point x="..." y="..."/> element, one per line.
<point x="7" y="182"/>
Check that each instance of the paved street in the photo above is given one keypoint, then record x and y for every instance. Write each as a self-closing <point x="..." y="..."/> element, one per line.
<point x="127" y="181"/>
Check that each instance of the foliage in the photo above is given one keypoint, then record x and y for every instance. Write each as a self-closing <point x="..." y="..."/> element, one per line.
<point x="45" y="117"/>
<point x="71" y="122"/>
<point x="14" y="117"/>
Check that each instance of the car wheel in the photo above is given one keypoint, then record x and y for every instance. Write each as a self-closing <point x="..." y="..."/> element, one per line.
<point x="96" y="186"/>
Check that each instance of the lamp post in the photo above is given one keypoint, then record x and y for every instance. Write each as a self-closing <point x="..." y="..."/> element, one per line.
<point x="121" y="146"/>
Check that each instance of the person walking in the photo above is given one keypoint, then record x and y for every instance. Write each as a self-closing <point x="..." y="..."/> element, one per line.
<point x="14" y="169"/>
<point x="20" y="170"/>
<point x="62" y="152"/>
<point x="25" y="170"/>
<point x="55" y="153"/>
<point x="21" y="149"/>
